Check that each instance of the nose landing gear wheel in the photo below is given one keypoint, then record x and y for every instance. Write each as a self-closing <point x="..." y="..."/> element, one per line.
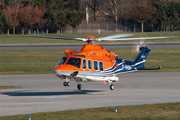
<point x="79" y="86"/>
<point x="66" y="84"/>
<point x="111" y="87"/>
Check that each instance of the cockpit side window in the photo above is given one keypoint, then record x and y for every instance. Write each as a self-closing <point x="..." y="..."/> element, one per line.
<point x="84" y="64"/>
<point x="63" y="60"/>
<point x="74" y="61"/>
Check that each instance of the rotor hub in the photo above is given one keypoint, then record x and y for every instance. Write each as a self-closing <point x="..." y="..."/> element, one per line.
<point x="90" y="39"/>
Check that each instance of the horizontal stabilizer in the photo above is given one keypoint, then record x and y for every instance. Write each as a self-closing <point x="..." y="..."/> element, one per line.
<point x="151" y="68"/>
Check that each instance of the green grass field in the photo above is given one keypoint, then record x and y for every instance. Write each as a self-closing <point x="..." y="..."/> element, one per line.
<point x="170" y="111"/>
<point x="14" y="39"/>
<point x="43" y="61"/>
<point x="10" y="87"/>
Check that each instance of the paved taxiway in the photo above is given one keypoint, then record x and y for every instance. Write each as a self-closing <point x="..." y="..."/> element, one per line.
<point x="45" y="92"/>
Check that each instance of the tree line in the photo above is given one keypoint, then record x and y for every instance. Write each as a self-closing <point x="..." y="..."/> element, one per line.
<point x="156" y="15"/>
<point x="28" y="13"/>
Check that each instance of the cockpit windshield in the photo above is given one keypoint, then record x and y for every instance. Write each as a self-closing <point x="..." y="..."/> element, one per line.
<point x="74" y="61"/>
<point x="63" y="60"/>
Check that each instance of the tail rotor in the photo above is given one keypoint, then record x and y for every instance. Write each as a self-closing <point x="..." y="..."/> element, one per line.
<point x="137" y="47"/>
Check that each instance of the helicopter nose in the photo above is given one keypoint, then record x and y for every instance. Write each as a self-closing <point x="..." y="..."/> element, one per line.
<point x="60" y="70"/>
<point x="56" y="71"/>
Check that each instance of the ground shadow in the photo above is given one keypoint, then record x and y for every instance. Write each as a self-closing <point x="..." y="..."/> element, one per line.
<point x="28" y="93"/>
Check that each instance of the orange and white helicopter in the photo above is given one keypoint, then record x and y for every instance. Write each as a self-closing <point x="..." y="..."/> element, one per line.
<point x="95" y="63"/>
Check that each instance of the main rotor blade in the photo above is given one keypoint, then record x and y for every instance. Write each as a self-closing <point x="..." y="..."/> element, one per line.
<point x="140" y="38"/>
<point x="110" y="38"/>
<point x="55" y="37"/>
<point x="115" y="36"/>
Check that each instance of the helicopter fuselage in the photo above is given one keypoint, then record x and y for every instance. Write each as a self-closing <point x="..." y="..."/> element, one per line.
<point x="94" y="63"/>
<point x="91" y="62"/>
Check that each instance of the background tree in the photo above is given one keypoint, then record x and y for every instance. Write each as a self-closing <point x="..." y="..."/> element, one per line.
<point x="1" y="5"/>
<point x="85" y="7"/>
<point x="55" y="13"/>
<point x="174" y="14"/>
<point x="167" y="15"/>
<point x="61" y="21"/>
<point x="11" y="17"/>
<point x="74" y="18"/>
<point x="61" y="13"/>
<point x="141" y="12"/>
<point x="114" y="7"/>
<point x="95" y="5"/>
<point x="72" y="5"/>
<point x="18" y="3"/>
<point x="30" y="16"/>
<point x="39" y="20"/>
<point x="159" y="16"/>
<point x="1" y="22"/>
<point x="26" y="17"/>
<point x="1" y="18"/>
<point x="166" y="21"/>
<point x="40" y="3"/>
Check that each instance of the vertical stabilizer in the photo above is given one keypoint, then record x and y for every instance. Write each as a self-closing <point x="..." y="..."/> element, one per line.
<point x="141" y="59"/>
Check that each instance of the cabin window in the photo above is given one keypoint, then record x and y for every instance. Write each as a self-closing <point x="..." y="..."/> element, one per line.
<point x="74" y="61"/>
<point x="95" y="65"/>
<point x="84" y="64"/>
<point x="89" y="64"/>
<point x="101" y="66"/>
<point x="63" y="60"/>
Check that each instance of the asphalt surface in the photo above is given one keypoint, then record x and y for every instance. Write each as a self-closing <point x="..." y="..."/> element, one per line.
<point x="79" y="46"/>
<point x="45" y="92"/>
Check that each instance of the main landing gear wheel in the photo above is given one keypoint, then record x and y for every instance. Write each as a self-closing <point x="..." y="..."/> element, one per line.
<point x="79" y="86"/>
<point x="67" y="84"/>
<point x="111" y="87"/>
<point x="64" y="83"/>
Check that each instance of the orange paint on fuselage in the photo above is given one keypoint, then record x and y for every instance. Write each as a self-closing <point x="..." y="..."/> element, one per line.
<point x="92" y="53"/>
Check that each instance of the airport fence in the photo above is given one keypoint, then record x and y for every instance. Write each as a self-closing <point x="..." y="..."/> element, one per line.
<point x="84" y="28"/>
<point x="103" y="28"/>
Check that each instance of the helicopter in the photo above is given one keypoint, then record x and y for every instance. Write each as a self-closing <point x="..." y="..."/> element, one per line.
<point x="94" y="63"/>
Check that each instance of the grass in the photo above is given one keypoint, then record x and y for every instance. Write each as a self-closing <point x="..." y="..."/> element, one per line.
<point x="29" y="61"/>
<point x="10" y="87"/>
<point x="169" y="111"/>
<point x="43" y="61"/>
<point x="14" y="39"/>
